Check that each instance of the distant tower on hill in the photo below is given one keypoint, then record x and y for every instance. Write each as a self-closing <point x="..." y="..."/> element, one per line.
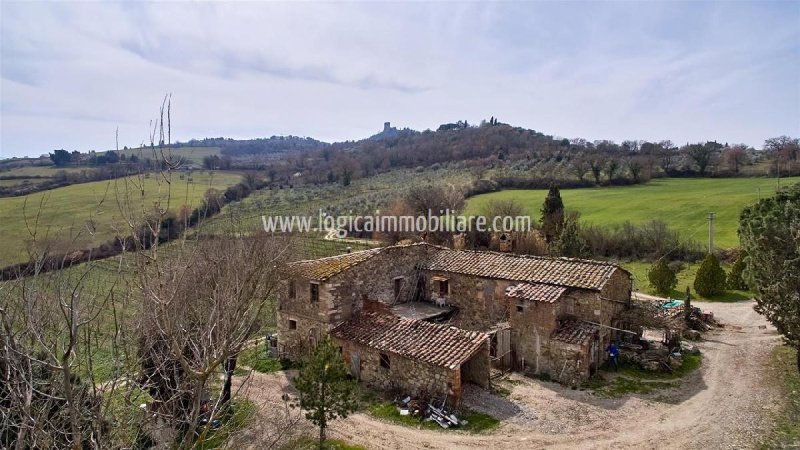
<point x="387" y="126"/>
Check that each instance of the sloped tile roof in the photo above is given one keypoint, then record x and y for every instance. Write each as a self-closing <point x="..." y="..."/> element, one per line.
<point x="432" y="343"/>
<point x="575" y="332"/>
<point x="536" y="292"/>
<point x="577" y="273"/>
<point x="323" y="268"/>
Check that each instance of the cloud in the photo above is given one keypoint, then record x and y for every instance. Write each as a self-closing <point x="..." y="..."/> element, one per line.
<point x="72" y="72"/>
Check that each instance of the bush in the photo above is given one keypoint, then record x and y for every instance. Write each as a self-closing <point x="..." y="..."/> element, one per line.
<point x="735" y="279"/>
<point x="710" y="278"/>
<point x="662" y="278"/>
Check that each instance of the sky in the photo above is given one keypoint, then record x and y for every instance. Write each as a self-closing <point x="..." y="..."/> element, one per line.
<point x="74" y="72"/>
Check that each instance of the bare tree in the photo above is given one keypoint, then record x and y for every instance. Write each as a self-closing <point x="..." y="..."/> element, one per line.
<point x="735" y="157"/>
<point x="580" y="166"/>
<point x="200" y="306"/>
<point x="783" y="146"/>
<point x="667" y="155"/>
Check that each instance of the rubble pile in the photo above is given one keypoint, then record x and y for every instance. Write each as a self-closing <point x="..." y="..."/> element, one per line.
<point x="419" y="407"/>
<point x="665" y="327"/>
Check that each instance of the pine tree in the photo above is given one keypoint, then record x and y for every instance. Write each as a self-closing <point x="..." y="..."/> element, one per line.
<point x="710" y="278"/>
<point x="661" y="277"/>
<point x="552" y="214"/>
<point x="768" y="233"/>
<point x="325" y="391"/>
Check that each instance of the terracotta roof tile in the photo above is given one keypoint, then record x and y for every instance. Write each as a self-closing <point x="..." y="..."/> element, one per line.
<point x="323" y="268"/>
<point x="536" y="292"/>
<point x="575" y="332"/>
<point x="578" y="273"/>
<point x="432" y="343"/>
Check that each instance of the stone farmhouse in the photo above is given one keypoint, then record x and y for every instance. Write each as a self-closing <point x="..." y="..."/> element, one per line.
<point x="424" y="318"/>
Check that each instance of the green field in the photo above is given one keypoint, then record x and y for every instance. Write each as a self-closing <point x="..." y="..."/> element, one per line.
<point x="192" y="155"/>
<point x="682" y="203"/>
<point x="685" y="277"/>
<point x="84" y="215"/>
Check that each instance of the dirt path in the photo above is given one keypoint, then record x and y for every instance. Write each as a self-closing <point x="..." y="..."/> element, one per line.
<point x="723" y="405"/>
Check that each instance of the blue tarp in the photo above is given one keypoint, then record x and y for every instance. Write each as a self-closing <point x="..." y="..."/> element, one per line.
<point x="672" y="303"/>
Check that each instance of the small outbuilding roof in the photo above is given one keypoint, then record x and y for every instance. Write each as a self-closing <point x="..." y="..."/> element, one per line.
<point x="536" y="292"/>
<point x="575" y="332"/>
<point x="432" y="343"/>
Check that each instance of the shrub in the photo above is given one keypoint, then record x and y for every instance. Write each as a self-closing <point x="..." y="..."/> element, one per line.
<point x="710" y="278"/>
<point x="661" y="277"/>
<point x="735" y="279"/>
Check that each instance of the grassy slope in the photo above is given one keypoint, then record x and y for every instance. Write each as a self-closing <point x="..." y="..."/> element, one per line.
<point x="681" y="203"/>
<point x="193" y="155"/>
<point x="69" y="212"/>
<point x="685" y="278"/>
<point x="363" y="196"/>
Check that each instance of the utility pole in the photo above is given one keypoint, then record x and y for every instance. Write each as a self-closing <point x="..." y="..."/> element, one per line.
<point x="710" y="232"/>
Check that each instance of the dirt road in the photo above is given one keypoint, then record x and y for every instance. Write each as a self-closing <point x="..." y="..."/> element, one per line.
<point x="722" y="405"/>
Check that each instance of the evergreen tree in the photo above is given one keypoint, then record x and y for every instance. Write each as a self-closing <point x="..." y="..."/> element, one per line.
<point x="710" y="278"/>
<point x="325" y="391"/>
<point x="736" y="275"/>
<point x="768" y="233"/>
<point x="570" y="243"/>
<point x="662" y="278"/>
<point x="552" y="214"/>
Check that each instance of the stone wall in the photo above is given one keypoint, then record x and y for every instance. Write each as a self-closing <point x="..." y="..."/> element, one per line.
<point x="294" y="343"/>
<point x="480" y="301"/>
<point x="531" y="329"/>
<point x="343" y="294"/>
<point x="404" y="375"/>
<point x="570" y="363"/>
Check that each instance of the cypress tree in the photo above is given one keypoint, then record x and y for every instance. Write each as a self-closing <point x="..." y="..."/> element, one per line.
<point x="552" y="214"/>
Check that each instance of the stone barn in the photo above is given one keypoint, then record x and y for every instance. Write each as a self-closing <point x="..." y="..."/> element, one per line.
<point x="413" y="356"/>
<point x="527" y="308"/>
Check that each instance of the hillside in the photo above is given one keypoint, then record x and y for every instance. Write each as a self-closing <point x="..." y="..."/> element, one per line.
<point x="88" y="214"/>
<point x="681" y="203"/>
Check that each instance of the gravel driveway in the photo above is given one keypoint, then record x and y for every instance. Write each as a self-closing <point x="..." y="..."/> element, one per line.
<point x="724" y="404"/>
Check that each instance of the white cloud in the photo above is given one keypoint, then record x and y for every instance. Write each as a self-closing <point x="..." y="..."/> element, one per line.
<point x="72" y="72"/>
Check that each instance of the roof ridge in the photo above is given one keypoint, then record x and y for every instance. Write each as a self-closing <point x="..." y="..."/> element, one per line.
<point x="342" y="255"/>
<point x="540" y="257"/>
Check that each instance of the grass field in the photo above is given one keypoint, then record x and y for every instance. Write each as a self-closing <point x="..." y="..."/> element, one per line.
<point x="682" y="203"/>
<point x="685" y="278"/>
<point x="192" y="155"/>
<point x="87" y="214"/>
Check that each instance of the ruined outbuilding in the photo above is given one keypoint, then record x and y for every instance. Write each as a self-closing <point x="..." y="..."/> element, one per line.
<point x="394" y="310"/>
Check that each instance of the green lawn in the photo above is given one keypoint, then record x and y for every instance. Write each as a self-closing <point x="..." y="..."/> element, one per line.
<point x="476" y="422"/>
<point x="87" y="214"/>
<point x="685" y="278"/>
<point x="682" y="203"/>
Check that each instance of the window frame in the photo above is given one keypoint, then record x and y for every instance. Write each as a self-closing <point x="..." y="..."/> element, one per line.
<point x="292" y="290"/>
<point x="292" y="324"/>
<point x="384" y="361"/>
<point x="313" y="291"/>
<point x="444" y="287"/>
